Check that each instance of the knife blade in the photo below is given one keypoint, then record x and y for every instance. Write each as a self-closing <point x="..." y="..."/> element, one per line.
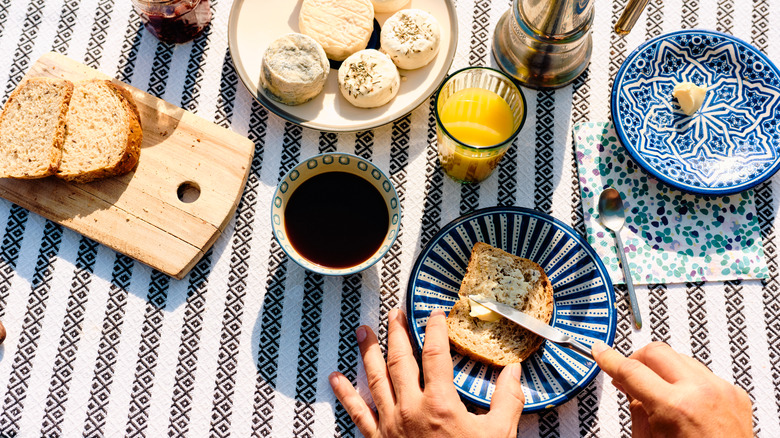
<point x="534" y="325"/>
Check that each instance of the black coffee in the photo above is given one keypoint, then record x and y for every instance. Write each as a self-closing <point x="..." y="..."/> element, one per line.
<point x="336" y="219"/>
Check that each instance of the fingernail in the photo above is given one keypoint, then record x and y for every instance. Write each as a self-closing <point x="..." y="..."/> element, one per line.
<point x="516" y="370"/>
<point x="334" y="379"/>
<point x="437" y="312"/>
<point x="599" y="347"/>
<point x="392" y="314"/>
<point x="360" y="334"/>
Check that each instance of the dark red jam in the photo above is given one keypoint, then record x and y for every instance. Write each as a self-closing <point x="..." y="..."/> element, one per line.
<point x="176" y="21"/>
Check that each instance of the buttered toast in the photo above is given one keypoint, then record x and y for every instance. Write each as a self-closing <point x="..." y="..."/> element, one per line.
<point x="509" y="279"/>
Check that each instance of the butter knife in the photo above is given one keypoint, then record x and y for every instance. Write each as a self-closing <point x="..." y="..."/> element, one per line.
<point x="534" y="325"/>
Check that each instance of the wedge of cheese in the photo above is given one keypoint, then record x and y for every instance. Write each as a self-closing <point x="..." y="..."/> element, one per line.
<point x="690" y="96"/>
<point x="294" y="69"/>
<point x="342" y="27"/>
<point x="368" y="79"/>
<point x="411" y="38"/>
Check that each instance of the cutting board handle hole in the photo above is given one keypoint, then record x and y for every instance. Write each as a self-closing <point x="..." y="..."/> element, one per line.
<point x="188" y="192"/>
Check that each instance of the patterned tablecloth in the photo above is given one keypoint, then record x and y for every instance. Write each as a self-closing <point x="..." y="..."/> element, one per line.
<point x="101" y="345"/>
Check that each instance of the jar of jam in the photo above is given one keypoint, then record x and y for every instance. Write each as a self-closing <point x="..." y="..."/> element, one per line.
<point x="174" y="21"/>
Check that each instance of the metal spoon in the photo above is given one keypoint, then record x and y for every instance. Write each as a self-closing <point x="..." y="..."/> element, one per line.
<point x="612" y="215"/>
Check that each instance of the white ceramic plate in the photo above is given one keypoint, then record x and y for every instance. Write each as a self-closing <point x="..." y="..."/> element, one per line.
<point x="254" y="24"/>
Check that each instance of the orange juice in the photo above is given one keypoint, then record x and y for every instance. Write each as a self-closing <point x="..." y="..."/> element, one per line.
<point x="477" y="117"/>
<point x="480" y="119"/>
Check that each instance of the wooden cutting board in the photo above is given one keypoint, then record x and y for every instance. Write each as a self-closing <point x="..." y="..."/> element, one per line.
<point x="148" y="214"/>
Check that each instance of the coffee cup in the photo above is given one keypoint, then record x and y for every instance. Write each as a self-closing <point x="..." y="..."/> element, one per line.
<point x="335" y="214"/>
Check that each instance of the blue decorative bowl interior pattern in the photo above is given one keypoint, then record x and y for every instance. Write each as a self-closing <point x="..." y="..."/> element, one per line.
<point x="583" y="299"/>
<point x="334" y="162"/>
<point x="732" y="143"/>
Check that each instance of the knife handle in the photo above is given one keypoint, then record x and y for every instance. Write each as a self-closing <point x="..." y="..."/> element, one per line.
<point x="580" y="348"/>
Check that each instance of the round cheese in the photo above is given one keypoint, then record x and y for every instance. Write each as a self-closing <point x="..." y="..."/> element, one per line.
<point x="294" y="69"/>
<point x="388" y="6"/>
<point x="342" y="26"/>
<point x="411" y="38"/>
<point x="368" y="79"/>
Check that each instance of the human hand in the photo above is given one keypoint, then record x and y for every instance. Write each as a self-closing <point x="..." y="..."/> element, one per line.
<point x="672" y="394"/>
<point x="403" y="408"/>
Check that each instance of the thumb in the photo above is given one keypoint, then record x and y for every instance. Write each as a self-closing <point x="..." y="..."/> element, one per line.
<point x="508" y="399"/>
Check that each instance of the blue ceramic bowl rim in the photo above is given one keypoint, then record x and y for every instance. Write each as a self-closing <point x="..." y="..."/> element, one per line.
<point x="567" y="230"/>
<point x="324" y="270"/>
<point x="711" y="191"/>
<point x="491" y="70"/>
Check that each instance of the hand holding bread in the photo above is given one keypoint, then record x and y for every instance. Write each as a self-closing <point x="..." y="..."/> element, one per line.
<point x="671" y="394"/>
<point x="404" y="408"/>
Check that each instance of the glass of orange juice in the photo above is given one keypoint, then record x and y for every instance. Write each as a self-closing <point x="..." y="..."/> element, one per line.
<point x="479" y="111"/>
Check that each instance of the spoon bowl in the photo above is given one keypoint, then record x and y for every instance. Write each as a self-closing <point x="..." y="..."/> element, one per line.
<point x="612" y="215"/>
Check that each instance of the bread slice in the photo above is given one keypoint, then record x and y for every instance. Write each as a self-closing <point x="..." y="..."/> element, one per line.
<point x="32" y="128"/>
<point x="509" y="279"/>
<point x="103" y="136"/>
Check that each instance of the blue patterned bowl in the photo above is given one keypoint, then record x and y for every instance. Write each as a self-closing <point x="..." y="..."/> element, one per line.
<point x="732" y="143"/>
<point x="582" y="294"/>
<point x="334" y="162"/>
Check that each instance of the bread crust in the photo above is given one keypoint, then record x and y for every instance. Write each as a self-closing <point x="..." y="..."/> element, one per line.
<point x="502" y="342"/>
<point x="132" y="149"/>
<point x="55" y="151"/>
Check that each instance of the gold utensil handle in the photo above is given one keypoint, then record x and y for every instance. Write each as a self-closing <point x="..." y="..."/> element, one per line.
<point x="630" y="15"/>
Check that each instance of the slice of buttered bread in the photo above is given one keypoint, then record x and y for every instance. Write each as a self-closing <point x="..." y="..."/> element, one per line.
<point x="103" y="136"/>
<point x="509" y="279"/>
<point x="32" y="128"/>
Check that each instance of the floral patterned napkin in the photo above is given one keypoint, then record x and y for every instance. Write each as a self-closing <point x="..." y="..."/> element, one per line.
<point x="670" y="236"/>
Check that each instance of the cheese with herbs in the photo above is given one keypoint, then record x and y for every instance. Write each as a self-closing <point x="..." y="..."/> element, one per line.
<point x="368" y="79"/>
<point x="342" y="27"/>
<point x="294" y="69"/>
<point x="411" y="38"/>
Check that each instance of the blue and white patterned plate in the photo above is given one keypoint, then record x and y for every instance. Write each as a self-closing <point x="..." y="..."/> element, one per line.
<point x="732" y="143"/>
<point x="582" y="293"/>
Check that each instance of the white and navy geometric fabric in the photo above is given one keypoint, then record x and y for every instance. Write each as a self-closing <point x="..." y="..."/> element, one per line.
<point x="100" y="345"/>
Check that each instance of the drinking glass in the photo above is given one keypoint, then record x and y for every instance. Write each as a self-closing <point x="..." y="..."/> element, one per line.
<point x="174" y="21"/>
<point x="469" y="163"/>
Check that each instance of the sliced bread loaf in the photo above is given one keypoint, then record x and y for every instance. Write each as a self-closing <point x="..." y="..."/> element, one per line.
<point x="32" y="128"/>
<point x="509" y="279"/>
<point x="103" y="136"/>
